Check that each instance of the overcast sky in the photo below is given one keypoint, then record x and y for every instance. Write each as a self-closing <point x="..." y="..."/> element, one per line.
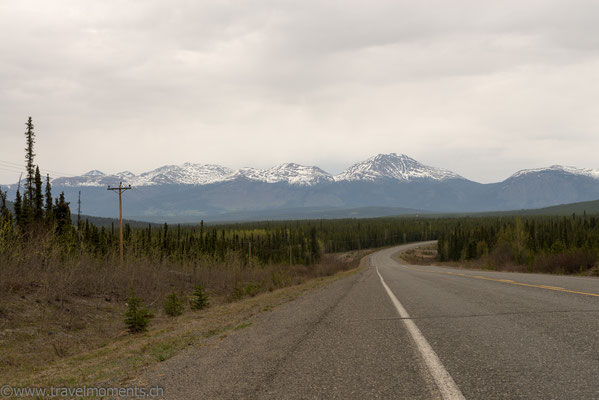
<point x="482" y="88"/>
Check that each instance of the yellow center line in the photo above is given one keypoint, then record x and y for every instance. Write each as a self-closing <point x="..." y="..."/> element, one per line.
<point x="509" y="281"/>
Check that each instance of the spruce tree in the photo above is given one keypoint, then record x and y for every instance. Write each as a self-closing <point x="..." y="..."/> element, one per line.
<point x="38" y="197"/>
<point x="48" y="208"/>
<point x="62" y="214"/>
<point x="173" y="306"/>
<point x="137" y="316"/>
<point x="314" y="247"/>
<point x="29" y="156"/>
<point x="18" y="208"/>
<point x="4" y="212"/>
<point x="199" y="298"/>
<point x="2" y="200"/>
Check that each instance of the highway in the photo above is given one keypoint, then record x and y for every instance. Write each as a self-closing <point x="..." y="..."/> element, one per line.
<point x="396" y="331"/>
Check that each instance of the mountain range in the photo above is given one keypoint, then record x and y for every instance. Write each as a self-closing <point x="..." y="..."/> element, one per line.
<point x="386" y="182"/>
<point x="383" y="166"/>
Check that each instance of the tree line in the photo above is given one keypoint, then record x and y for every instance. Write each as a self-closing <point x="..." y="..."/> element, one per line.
<point x="551" y="244"/>
<point x="541" y="243"/>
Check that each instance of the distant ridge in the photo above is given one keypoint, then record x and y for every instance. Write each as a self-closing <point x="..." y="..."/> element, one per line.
<point x="591" y="173"/>
<point x="192" y="192"/>
<point x="383" y="166"/>
<point x="588" y="207"/>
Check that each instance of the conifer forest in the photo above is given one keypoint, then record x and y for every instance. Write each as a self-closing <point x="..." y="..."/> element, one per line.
<point x="544" y="244"/>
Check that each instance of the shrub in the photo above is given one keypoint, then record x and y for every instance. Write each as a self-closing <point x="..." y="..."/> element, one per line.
<point x="570" y="262"/>
<point x="249" y="289"/>
<point x="137" y="317"/>
<point x="199" y="298"/>
<point x="173" y="306"/>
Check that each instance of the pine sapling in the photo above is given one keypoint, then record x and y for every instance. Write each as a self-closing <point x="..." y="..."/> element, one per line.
<point x="137" y="317"/>
<point x="199" y="298"/>
<point x="173" y="306"/>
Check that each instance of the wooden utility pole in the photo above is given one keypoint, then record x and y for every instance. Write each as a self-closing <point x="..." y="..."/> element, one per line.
<point x="290" y="256"/>
<point x="121" y="189"/>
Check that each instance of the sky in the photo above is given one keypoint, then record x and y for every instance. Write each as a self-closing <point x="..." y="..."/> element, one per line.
<point x="480" y="88"/>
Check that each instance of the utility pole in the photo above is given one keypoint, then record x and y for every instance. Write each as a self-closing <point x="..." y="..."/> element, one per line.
<point x="290" y="256"/>
<point x="121" y="189"/>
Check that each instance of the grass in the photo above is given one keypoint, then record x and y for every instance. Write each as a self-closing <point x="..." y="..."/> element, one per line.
<point x="82" y="339"/>
<point x="425" y="255"/>
<point x="242" y="326"/>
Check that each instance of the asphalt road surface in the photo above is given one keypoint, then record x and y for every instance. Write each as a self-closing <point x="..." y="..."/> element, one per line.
<point x="398" y="331"/>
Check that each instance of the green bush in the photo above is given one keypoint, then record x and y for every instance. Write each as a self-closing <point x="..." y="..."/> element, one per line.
<point x="173" y="306"/>
<point x="199" y="298"/>
<point x="249" y="289"/>
<point x="137" y="317"/>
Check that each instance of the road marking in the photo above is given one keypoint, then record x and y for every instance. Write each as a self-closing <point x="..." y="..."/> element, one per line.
<point x="445" y="383"/>
<point x="511" y="282"/>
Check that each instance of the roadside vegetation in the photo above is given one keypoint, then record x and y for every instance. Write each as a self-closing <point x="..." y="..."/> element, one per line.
<point x="64" y="294"/>
<point x="562" y="245"/>
<point x="539" y="244"/>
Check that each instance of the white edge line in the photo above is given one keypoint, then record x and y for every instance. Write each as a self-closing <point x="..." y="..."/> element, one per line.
<point x="445" y="383"/>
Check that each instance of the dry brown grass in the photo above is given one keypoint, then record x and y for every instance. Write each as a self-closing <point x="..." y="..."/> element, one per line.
<point x="67" y="316"/>
<point x="425" y="255"/>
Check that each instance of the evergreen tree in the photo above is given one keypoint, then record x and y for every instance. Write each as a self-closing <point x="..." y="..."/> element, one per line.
<point x="173" y="306"/>
<point x="48" y="208"/>
<point x="18" y="208"/>
<point x="314" y="248"/>
<point x="199" y="298"/>
<point x="62" y="214"/>
<point x="4" y="212"/>
<point x="6" y="226"/>
<point x="28" y="194"/>
<point x="165" y="238"/>
<point x="137" y="316"/>
<point x="38" y="198"/>
<point x="2" y="201"/>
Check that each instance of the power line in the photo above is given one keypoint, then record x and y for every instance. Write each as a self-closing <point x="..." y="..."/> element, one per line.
<point x="11" y="170"/>
<point x="15" y="165"/>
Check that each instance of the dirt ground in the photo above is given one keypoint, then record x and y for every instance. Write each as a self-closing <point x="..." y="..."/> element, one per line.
<point x="83" y="340"/>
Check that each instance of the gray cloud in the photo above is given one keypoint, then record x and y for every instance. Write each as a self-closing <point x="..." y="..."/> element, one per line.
<point x="483" y="88"/>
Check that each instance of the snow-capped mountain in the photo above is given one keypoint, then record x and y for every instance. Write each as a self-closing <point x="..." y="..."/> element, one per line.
<point x="202" y="174"/>
<point x="210" y="192"/>
<point x="186" y="174"/>
<point x="382" y="166"/>
<point x="293" y="174"/>
<point x="392" y="166"/>
<point x="591" y="173"/>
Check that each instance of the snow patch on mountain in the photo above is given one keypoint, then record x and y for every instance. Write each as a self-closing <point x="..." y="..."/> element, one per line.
<point x="94" y="172"/>
<point x="186" y="174"/>
<point x="393" y="166"/>
<point x="202" y="174"/>
<point x="591" y="173"/>
<point x="291" y="173"/>
<point x="382" y="166"/>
